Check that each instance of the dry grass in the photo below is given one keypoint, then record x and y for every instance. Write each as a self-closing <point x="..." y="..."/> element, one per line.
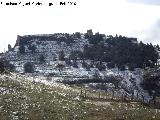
<point x="25" y="100"/>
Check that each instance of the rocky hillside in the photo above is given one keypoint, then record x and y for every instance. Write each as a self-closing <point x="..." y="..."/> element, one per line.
<point x="79" y="50"/>
<point x="87" y="58"/>
<point x="44" y="49"/>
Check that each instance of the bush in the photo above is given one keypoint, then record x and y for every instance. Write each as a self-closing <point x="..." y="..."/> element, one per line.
<point x="5" y="64"/>
<point x="28" y="67"/>
<point x="151" y="82"/>
<point x="42" y="59"/>
<point x="1" y="67"/>
<point x="101" y="67"/>
<point x="22" y="49"/>
<point x="32" y="48"/>
<point x="75" y="64"/>
<point x="61" y="56"/>
<point x="85" y="65"/>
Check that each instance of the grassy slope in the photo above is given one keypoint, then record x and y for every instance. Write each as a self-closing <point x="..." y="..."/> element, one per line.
<point x="24" y="100"/>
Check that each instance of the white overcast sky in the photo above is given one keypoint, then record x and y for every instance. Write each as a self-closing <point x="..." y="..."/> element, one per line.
<point x="132" y="18"/>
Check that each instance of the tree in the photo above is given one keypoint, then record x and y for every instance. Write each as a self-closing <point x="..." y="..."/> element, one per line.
<point x="61" y="56"/>
<point x="151" y="83"/>
<point x="68" y="39"/>
<point x="95" y="39"/>
<point x="22" y="49"/>
<point x="9" y="66"/>
<point x="60" y="67"/>
<point x="28" y="67"/>
<point x="68" y="61"/>
<point x="6" y="65"/>
<point x="157" y="46"/>
<point x="96" y="75"/>
<point x="100" y="66"/>
<point x="85" y="65"/>
<point x="42" y="59"/>
<point x="75" y="64"/>
<point x="9" y="47"/>
<point x="78" y="34"/>
<point x="121" y="51"/>
<point x="2" y="69"/>
<point x="32" y="48"/>
<point x="74" y="55"/>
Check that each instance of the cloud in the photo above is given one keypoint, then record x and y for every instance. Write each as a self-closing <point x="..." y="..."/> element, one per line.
<point x="151" y="35"/>
<point x="104" y="16"/>
<point x="148" y="2"/>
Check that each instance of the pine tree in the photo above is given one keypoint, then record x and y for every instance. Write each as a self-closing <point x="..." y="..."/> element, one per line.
<point x="22" y="49"/>
<point x="42" y="59"/>
<point x="62" y="56"/>
<point x="28" y="67"/>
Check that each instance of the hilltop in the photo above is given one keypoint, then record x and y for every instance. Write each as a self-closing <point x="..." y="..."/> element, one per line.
<point x="80" y="50"/>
